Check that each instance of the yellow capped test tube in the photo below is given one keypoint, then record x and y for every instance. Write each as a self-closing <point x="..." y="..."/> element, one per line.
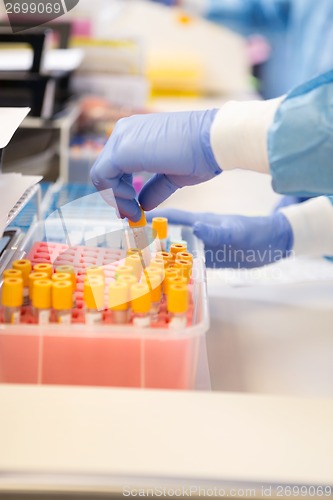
<point x="169" y="273"/>
<point x="68" y="269"/>
<point x="12" y="273"/>
<point x="12" y="299"/>
<point x="141" y="238"/>
<point x="93" y="296"/>
<point x="157" y="262"/>
<point x="159" y="226"/>
<point x="184" y="256"/>
<point x="24" y="265"/>
<point x="44" y="267"/>
<point x="42" y="300"/>
<point x="185" y="267"/>
<point x="154" y="282"/>
<point x="135" y="261"/>
<point x="62" y="301"/>
<point x="129" y="279"/>
<point x="176" y="248"/>
<point x="177" y="305"/>
<point x="177" y="280"/>
<point x="140" y="223"/>
<point x="132" y="251"/>
<point x="62" y="277"/>
<point x="124" y="270"/>
<point x="32" y="278"/>
<point x="166" y="256"/>
<point x="96" y="271"/>
<point x="155" y="270"/>
<point x="141" y="304"/>
<point x="119" y="301"/>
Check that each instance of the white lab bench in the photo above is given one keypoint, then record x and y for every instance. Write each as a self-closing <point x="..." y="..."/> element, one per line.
<point x="268" y="424"/>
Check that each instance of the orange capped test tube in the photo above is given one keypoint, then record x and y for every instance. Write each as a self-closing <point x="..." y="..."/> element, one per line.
<point x="12" y="299"/>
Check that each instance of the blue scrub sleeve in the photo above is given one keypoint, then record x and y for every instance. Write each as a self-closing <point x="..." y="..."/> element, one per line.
<point x="300" y="140"/>
<point x="248" y="16"/>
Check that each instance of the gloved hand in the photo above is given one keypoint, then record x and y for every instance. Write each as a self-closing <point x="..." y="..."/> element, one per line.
<point x="174" y="146"/>
<point x="236" y="241"/>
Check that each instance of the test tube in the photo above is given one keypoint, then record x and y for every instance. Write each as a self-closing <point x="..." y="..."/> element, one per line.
<point x="32" y="278"/>
<point x="185" y="267"/>
<point x="141" y="237"/>
<point x="12" y="299"/>
<point x="177" y="305"/>
<point x="177" y="280"/>
<point x="56" y="277"/>
<point x="119" y="301"/>
<point x="124" y="270"/>
<point x="93" y="296"/>
<point x="154" y="282"/>
<point x="42" y="300"/>
<point x="129" y="279"/>
<point x="132" y="251"/>
<point x="25" y="267"/>
<point x="169" y="273"/>
<point x="167" y="257"/>
<point x="176" y="248"/>
<point x="157" y="262"/>
<point x="160" y="228"/>
<point x="68" y="269"/>
<point x="62" y="301"/>
<point x="135" y="261"/>
<point x="141" y="304"/>
<point x="96" y="271"/>
<point x="12" y="273"/>
<point x="44" y="267"/>
<point x="184" y="256"/>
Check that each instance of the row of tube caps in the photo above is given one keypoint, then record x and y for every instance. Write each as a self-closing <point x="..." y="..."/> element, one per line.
<point x="136" y="293"/>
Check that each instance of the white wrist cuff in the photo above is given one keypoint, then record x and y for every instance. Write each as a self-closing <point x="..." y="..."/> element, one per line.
<point x="239" y="134"/>
<point x="312" y="225"/>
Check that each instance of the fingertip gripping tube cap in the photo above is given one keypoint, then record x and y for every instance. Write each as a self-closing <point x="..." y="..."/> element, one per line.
<point x="141" y="222"/>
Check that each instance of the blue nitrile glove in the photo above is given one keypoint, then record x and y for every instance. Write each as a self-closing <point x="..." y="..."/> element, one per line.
<point x="174" y="146"/>
<point x="236" y="241"/>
